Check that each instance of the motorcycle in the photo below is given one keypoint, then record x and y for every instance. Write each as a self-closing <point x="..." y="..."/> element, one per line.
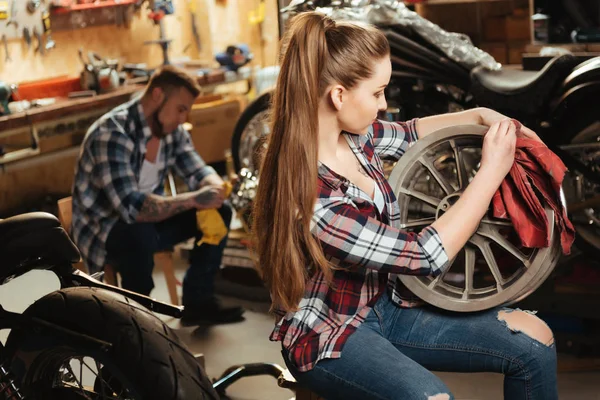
<point x="435" y="72"/>
<point x="87" y="340"/>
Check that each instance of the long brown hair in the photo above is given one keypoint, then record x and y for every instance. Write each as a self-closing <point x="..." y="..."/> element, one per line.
<point x="316" y="52"/>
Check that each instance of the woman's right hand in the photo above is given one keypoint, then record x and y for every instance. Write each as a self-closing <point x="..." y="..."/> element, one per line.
<point x="498" y="152"/>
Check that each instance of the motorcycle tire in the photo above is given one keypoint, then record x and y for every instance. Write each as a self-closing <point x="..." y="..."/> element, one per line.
<point x="262" y="103"/>
<point x="572" y="132"/>
<point x="146" y="358"/>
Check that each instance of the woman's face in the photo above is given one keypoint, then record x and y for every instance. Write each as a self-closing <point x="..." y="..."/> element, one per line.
<point x="362" y="103"/>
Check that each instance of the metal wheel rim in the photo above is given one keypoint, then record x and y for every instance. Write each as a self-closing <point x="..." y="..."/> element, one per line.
<point x="535" y="267"/>
<point x="256" y="129"/>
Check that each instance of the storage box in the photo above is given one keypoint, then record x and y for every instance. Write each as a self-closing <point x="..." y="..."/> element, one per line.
<point x="212" y="127"/>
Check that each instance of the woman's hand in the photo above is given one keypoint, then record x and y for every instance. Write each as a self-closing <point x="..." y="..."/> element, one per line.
<point x="498" y="152"/>
<point x="490" y="117"/>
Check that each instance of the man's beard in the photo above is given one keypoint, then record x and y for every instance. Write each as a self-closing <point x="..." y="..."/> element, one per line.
<point x="159" y="127"/>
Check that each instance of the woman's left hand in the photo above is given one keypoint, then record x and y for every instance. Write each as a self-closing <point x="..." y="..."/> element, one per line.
<point x="490" y="117"/>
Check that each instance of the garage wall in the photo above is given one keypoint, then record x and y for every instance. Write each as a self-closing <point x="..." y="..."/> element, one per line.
<point x="220" y="22"/>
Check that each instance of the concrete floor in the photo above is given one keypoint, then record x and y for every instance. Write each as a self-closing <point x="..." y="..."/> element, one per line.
<point x="247" y="342"/>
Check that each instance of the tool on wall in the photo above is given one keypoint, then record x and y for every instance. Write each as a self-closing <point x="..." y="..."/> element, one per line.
<point x="13" y="14"/>
<point x="5" y="43"/>
<point x="40" y="41"/>
<point x="158" y="10"/>
<point x="33" y="5"/>
<point x="193" y="7"/>
<point x="27" y="37"/>
<point x="50" y="44"/>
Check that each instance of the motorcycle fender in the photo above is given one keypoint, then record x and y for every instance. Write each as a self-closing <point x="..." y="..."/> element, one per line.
<point x="587" y="71"/>
<point x="577" y="97"/>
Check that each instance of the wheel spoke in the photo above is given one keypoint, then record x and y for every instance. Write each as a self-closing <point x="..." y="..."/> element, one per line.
<point x="496" y="221"/>
<point x="446" y="186"/>
<point x="103" y="384"/>
<point x="417" y="223"/>
<point x="432" y="201"/>
<point x="83" y="392"/>
<point x="469" y="271"/>
<point x="493" y="234"/>
<point x="463" y="178"/>
<point x="484" y="246"/>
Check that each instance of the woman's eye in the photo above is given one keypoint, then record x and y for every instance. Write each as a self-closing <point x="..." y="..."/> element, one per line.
<point x="378" y="95"/>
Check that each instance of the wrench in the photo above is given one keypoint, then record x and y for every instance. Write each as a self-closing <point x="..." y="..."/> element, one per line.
<point x="7" y="58"/>
<point x="40" y="47"/>
<point x="13" y="14"/>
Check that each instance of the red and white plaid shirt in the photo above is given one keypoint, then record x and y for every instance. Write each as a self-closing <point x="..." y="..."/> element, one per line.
<point x="369" y="247"/>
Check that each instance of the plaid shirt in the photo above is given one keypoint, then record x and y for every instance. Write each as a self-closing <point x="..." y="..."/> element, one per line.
<point x="368" y="246"/>
<point x="107" y="174"/>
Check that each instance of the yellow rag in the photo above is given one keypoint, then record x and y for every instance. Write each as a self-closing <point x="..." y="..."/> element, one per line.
<point x="211" y="224"/>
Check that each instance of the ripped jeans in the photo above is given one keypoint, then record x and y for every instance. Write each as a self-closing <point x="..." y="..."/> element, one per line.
<point x="391" y="354"/>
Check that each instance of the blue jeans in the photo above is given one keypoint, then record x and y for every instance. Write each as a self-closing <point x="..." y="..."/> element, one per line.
<point x="391" y="354"/>
<point x="131" y="248"/>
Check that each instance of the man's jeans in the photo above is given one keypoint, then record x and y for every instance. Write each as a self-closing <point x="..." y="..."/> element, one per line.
<point x="131" y="248"/>
<point x="392" y="352"/>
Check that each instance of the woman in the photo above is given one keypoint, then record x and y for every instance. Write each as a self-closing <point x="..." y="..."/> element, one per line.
<point x="329" y="247"/>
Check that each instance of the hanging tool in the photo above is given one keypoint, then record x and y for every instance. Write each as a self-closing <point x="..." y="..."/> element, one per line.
<point x="40" y="40"/>
<point x="13" y="14"/>
<point x="193" y="6"/>
<point x="5" y="42"/>
<point x="50" y="44"/>
<point x="33" y="5"/>
<point x="27" y="37"/>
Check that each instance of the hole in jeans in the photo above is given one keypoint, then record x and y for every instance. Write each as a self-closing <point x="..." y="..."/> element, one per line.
<point x="526" y="322"/>
<point x="439" y="396"/>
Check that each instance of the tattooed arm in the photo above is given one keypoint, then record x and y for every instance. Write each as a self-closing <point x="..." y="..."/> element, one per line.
<point x="158" y="208"/>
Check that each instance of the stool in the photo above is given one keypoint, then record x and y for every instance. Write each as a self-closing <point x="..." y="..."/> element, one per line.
<point x="164" y="259"/>
<point x="287" y="381"/>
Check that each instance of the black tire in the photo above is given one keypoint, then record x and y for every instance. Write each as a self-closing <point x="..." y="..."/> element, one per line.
<point x="567" y="131"/>
<point x="262" y="103"/>
<point x="146" y="358"/>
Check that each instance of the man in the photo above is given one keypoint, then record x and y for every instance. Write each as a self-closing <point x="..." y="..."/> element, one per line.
<point x="120" y="215"/>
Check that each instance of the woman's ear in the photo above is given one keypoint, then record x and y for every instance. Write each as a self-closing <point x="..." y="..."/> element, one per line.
<point x="337" y="95"/>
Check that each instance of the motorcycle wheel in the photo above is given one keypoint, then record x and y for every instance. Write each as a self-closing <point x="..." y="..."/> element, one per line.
<point x="146" y="360"/>
<point x="251" y="127"/>
<point x="492" y="269"/>
<point x="583" y="140"/>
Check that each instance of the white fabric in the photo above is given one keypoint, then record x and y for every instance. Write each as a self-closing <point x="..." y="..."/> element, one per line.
<point x="149" y="174"/>
<point x="378" y="198"/>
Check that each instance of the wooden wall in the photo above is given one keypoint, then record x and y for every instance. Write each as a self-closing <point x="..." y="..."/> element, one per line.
<point x="220" y="22"/>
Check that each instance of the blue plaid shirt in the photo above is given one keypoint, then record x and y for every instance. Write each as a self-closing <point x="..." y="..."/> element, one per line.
<point x="107" y="174"/>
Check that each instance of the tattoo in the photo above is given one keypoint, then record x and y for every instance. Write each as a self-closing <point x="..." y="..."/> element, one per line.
<point x="361" y="169"/>
<point x="157" y="208"/>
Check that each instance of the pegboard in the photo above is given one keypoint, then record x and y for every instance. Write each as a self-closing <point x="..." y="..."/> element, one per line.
<point x="23" y="19"/>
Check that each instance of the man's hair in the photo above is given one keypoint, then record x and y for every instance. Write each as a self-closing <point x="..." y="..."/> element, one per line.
<point x="170" y="77"/>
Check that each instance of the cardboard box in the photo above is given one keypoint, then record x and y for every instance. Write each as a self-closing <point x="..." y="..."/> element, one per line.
<point x="212" y="127"/>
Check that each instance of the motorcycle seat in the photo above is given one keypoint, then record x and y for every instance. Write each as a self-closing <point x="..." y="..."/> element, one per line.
<point x="25" y="223"/>
<point x="517" y="90"/>
<point x="33" y="236"/>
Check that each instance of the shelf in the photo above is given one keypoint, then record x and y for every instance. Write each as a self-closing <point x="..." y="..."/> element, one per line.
<point x="92" y="6"/>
